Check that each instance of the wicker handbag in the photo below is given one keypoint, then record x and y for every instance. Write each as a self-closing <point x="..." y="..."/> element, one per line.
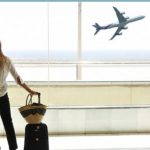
<point x="33" y="112"/>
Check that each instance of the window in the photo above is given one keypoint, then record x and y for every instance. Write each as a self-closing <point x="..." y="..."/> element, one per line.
<point x="44" y="37"/>
<point x="120" y="59"/>
<point x="63" y="17"/>
<point x="24" y="33"/>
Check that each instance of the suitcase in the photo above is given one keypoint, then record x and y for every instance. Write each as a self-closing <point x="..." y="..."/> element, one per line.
<point x="36" y="137"/>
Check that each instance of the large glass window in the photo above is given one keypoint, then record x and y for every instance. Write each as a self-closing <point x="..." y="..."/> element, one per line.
<point x="42" y="38"/>
<point x="36" y="33"/>
<point x="63" y="31"/>
<point x="24" y="32"/>
<point x="119" y="58"/>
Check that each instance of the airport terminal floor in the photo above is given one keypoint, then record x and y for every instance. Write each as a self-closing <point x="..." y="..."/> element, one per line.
<point x="93" y="142"/>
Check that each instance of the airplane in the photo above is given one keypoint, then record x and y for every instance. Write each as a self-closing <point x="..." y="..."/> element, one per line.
<point x="123" y="21"/>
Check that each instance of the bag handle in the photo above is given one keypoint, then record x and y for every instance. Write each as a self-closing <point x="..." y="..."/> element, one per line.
<point x="29" y="99"/>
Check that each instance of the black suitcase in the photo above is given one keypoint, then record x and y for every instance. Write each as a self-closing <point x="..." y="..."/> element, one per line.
<point x="36" y="137"/>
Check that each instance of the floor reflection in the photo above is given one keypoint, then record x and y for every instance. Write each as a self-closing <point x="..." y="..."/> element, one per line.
<point x="103" y="142"/>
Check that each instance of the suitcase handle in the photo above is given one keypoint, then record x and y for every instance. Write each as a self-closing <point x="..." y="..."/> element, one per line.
<point x="29" y="99"/>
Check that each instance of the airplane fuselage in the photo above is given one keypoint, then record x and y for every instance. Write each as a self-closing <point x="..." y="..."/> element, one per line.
<point x="135" y="19"/>
<point x="122" y="24"/>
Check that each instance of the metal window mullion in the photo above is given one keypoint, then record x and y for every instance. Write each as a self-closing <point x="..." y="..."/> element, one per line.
<point x="48" y="40"/>
<point x="78" y="66"/>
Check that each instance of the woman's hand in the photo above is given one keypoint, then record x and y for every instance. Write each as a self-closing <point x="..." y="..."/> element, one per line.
<point x="34" y="92"/>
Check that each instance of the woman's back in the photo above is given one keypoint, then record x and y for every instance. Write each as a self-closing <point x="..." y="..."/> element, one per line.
<point x="4" y="70"/>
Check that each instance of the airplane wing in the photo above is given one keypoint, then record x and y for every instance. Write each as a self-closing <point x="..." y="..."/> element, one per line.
<point x="116" y="33"/>
<point x="121" y="19"/>
<point x="120" y="16"/>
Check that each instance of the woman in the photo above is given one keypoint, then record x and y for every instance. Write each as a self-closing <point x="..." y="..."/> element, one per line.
<point x="7" y="66"/>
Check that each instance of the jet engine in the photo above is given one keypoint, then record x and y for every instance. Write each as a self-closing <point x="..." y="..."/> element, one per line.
<point x="126" y="17"/>
<point x="119" y="33"/>
<point x="123" y="13"/>
<point x="125" y="28"/>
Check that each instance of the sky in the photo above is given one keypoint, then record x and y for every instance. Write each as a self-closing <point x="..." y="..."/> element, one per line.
<point x="136" y="37"/>
<point x="30" y="29"/>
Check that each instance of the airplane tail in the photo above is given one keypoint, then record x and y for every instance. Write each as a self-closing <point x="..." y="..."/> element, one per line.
<point x="98" y="28"/>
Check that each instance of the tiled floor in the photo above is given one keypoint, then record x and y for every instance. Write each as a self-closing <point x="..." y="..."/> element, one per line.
<point x="105" y="142"/>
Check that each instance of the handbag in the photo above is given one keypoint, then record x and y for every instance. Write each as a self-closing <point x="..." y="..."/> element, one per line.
<point x="33" y="112"/>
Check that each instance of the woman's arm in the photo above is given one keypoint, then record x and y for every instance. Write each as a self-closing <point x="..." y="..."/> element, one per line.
<point x="26" y="87"/>
<point x="19" y="80"/>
